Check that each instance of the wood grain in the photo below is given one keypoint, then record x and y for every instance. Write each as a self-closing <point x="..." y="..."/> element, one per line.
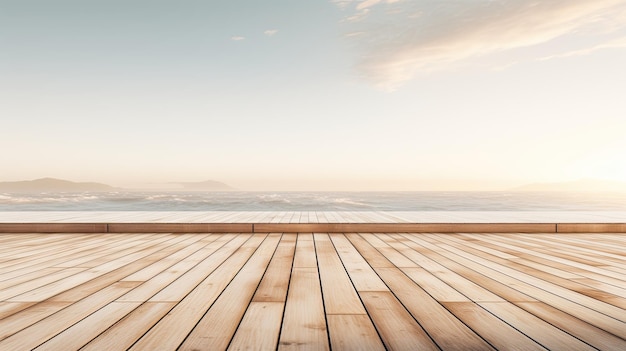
<point x="345" y="291"/>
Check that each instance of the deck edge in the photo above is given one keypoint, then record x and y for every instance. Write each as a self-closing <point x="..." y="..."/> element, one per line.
<point x="591" y="228"/>
<point x="312" y="227"/>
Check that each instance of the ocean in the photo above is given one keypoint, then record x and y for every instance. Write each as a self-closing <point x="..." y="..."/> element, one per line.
<point x="314" y="201"/>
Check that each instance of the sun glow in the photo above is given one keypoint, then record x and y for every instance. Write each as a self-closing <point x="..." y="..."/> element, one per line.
<point x="606" y="163"/>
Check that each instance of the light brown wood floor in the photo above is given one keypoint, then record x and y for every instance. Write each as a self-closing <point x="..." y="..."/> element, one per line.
<point x="312" y="217"/>
<point x="313" y="291"/>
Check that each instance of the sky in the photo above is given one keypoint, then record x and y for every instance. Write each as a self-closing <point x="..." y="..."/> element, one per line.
<point x="313" y="95"/>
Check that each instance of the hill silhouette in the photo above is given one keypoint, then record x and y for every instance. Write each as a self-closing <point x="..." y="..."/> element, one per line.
<point x="52" y="185"/>
<point x="581" y="185"/>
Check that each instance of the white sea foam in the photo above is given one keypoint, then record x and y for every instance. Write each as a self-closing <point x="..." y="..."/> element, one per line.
<point x="347" y="201"/>
<point x="313" y="201"/>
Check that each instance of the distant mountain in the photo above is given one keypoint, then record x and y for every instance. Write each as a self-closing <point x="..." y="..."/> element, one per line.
<point x="583" y="185"/>
<point x="208" y="185"/>
<point x="52" y="185"/>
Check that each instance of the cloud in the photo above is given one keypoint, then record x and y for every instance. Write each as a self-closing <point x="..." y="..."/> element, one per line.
<point x="367" y="3"/>
<point x="342" y="4"/>
<point x="612" y="44"/>
<point x="404" y="39"/>
<point x="237" y="38"/>
<point x="270" y="32"/>
<point x="353" y="34"/>
<point x="360" y="15"/>
<point x="361" y="4"/>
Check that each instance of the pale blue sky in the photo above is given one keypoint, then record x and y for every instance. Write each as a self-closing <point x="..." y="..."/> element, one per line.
<point x="313" y="95"/>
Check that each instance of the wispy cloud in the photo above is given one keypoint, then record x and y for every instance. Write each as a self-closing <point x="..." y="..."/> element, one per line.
<point x="237" y="38"/>
<point x="270" y="32"/>
<point x="367" y="3"/>
<point x="342" y="4"/>
<point x="403" y="39"/>
<point x="353" y="34"/>
<point x="612" y="44"/>
<point x="357" y="16"/>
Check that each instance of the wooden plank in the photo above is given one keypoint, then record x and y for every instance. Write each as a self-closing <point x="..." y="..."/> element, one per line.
<point x="569" y="283"/>
<point x="583" y="312"/>
<point x="130" y="328"/>
<point x="275" y="218"/>
<point x="45" y="329"/>
<point x="273" y="286"/>
<point x="26" y="277"/>
<point x="435" y="287"/>
<point x="304" y="323"/>
<point x="361" y="273"/>
<point x="61" y="255"/>
<point x="192" y="246"/>
<point x="398" y="330"/>
<point x="10" y="242"/>
<point x="545" y="334"/>
<point x="10" y="308"/>
<point x="596" y="243"/>
<point x="340" y="297"/>
<point x="570" y="243"/>
<point x="53" y="259"/>
<point x="305" y="252"/>
<point x="591" y="228"/>
<point x="332" y="217"/>
<point x="444" y="328"/>
<point x="287" y="217"/>
<point x="52" y="277"/>
<point x="321" y="217"/>
<point x="455" y="275"/>
<point x="180" y="228"/>
<point x="261" y="324"/>
<point x="529" y="250"/>
<point x="342" y="216"/>
<point x="552" y="287"/>
<point x="259" y="328"/>
<point x="171" y="331"/>
<point x="365" y="249"/>
<point x="118" y="249"/>
<point x="179" y="288"/>
<point x="28" y="316"/>
<point x="53" y="228"/>
<point x="468" y="242"/>
<point x="405" y="227"/>
<point x="560" y="269"/>
<point x="216" y="328"/>
<point x="353" y="332"/>
<point x="295" y="217"/>
<point x="499" y="334"/>
<point x="158" y="283"/>
<point x="21" y="248"/>
<point x="531" y="282"/>
<point x="584" y="331"/>
<point x="48" y="291"/>
<point x="84" y="331"/>
<point x="605" y="292"/>
<point x="591" y="260"/>
<point x="109" y="277"/>
<point x="396" y="258"/>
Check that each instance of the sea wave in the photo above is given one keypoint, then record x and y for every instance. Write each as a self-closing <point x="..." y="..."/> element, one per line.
<point x="273" y="198"/>
<point x="46" y="198"/>
<point x="350" y="202"/>
<point x="313" y="201"/>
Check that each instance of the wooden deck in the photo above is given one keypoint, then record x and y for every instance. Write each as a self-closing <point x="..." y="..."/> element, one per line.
<point x="355" y="291"/>
<point x="312" y="221"/>
<point x="313" y="217"/>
